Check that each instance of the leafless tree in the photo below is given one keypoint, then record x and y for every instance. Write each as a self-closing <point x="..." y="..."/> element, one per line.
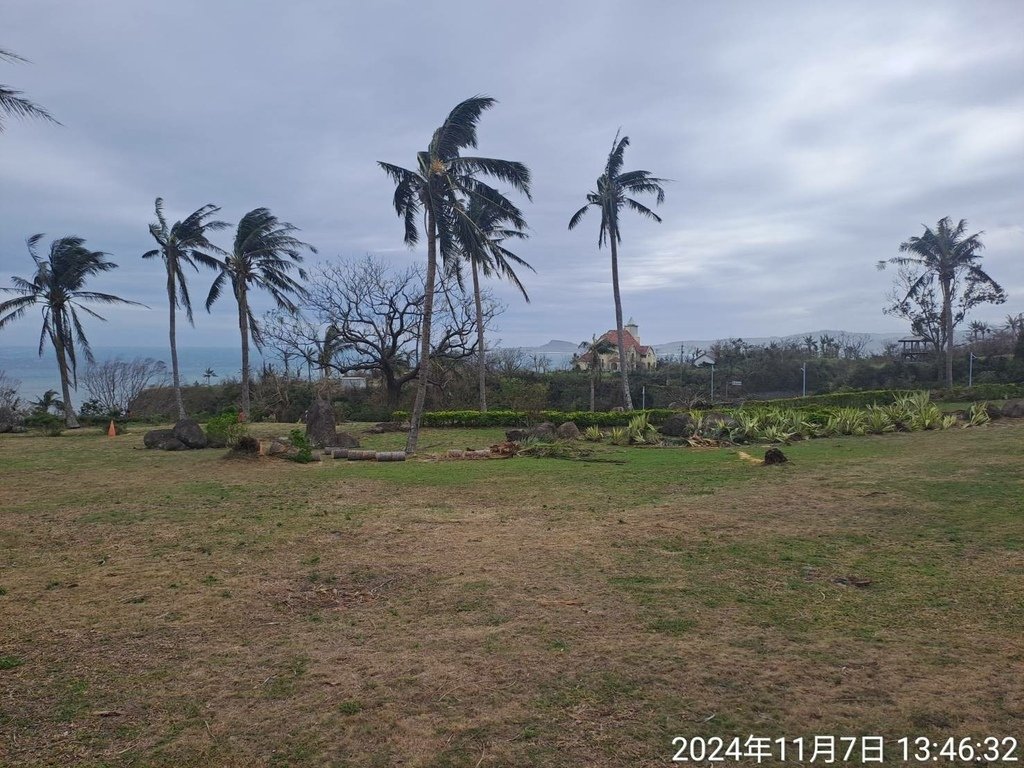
<point x="115" y="384"/>
<point x="364" y="315"/>
<point x="507" y="361"/>
<point x="852" y="345"/>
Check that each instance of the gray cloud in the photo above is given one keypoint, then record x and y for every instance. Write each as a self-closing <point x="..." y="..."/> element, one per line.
<point x="805" y="141"/>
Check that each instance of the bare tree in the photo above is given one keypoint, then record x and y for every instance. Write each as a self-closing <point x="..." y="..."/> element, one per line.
<point x="507" y="361"/>
<point x="852" y="345"/>
<point x="115" y="384"/>
<point x="366" y="316"/>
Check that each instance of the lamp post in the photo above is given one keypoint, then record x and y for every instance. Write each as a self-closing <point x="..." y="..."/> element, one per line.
<point x="712" y="382"/>
<point x="803" y="368"/>
<point x="970" y="371"/>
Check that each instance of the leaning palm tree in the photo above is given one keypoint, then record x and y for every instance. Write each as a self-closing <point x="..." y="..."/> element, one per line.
<point x="58" y="286"/>
<point x="14" y="103"/>
<point x="485" y="250"/>
<point x="614" y="188"/>
<point x="436" y="190"/>
<point x="264" y="254"/>
<point x="182" y="244"/>
<point x="948" y="255"/>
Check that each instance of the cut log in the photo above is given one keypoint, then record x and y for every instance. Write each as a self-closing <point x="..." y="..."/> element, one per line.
<point x="354" y="455"/>
<point x="391" y="456"/>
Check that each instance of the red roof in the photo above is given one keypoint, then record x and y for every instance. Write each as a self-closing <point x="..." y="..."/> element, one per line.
<point x="628" y="340"/>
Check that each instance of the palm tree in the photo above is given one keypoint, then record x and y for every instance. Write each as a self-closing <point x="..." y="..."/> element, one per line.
<point x="613" y="189"/>
<point x="437" y="189"/>
<point x="264" y="254"/>
<point x="183" y="244"/>
<point x="58" y="286"/>
<point x="48" y="400"/>
<point x="13" y="103"/>
<point x="947" y="254"/>
<point x="595" y="348"/>
<point x="488" y="255"/>
<point x="209" y="374"/>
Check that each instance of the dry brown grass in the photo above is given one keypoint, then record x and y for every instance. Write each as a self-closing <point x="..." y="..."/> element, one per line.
<point x="180" y="609"/>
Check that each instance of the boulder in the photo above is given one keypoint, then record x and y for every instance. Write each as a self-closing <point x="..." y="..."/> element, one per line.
<point x="1012" y="409"/>
<point x="543" y="431"/>
<point x="190" y="433"/>
<point x="345" y="440"/>
<point x="516" y="435"/>
<point x="320" y="424"/>
<point x="154" y="437"/>
<point x="568" y="431"/>
<point x="216" y="441"/>
<point x="774" y="456"/>
<point x="278" y="446"/>
<point x="172" y="444"/>
<point x="389" y="426"/>
<point x="678" y="425"/>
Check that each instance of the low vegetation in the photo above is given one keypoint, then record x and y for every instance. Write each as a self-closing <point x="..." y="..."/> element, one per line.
<point x="525" y="611"/>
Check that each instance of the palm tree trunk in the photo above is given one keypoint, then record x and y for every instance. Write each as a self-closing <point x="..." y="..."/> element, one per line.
<point x="175" y="378"/>
<point x="627" y="401"/>
<point x="424" y="362"/>
<point x="947" y="321"/>
<point x="482" y="361"/>
<point x="65" y="387"/>
<point x="243" y="328"/>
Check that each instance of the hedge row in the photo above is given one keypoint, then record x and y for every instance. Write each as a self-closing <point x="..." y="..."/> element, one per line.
<point x="582" y="419"/>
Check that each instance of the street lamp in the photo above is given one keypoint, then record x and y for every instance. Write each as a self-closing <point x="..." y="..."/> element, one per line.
<point x="804" y="369"/>
<point x="970" y="371"/>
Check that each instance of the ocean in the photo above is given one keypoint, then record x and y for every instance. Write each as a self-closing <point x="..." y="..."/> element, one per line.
<point x="33" y="375"/>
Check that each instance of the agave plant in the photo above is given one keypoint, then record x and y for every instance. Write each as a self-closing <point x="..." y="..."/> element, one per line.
<point x="848" y="421"/>
<point x="949" y="421"/>
<point x="619" y="436"/>
<point x="592" y="434"/>
<point x="879" y="420"/>
<point x="978" y="415"/>
<point x="640" y="430"/>
<point x="775" y="433"/>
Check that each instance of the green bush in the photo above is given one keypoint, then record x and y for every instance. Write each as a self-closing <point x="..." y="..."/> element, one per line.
<point x="47" y="423"/>
<point x="304" y="449"/>
<point x="226" y="429"/>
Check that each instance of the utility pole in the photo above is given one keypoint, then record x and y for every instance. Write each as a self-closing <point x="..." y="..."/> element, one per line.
<point x="970" y="371"/>
<point x="712" y="382"/>
<point x="804" y="369"/>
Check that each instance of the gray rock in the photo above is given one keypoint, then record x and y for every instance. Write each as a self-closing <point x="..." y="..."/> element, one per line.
<point x="172" y="444"/>
<point x="678" y="425"/>
<point x="516" y="435"/>
<point x="278" y="447"/>
<point x="154" y="437"/>
<point x="543" y="431"/>
<point x="568" y="431"/>
<point x="345" y="440"/>
<point x="1012" y="409"/>
<point x="190" y="433"/>
<point x="320" y="424"/>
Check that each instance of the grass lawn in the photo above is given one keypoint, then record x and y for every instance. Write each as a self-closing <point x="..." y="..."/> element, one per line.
<point x="185" y="609"/>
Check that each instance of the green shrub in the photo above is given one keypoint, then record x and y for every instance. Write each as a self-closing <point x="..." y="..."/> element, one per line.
<point x="47" y="423"/>
<point x="304" y="449"/>
<point x="226" y="429"/>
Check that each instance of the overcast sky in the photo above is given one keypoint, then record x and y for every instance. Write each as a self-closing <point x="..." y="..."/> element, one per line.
<point x="806" y="140"/>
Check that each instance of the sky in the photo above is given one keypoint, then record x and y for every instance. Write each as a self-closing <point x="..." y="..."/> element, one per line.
<point x="804" y="141"/>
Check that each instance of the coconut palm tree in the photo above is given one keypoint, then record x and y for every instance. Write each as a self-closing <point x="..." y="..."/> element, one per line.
<point x="948" y="255"/>
<point x="14" y="104"/>
<point x="595" y="348"/>
<point x="614" y="188"/>
<point x="58" y="286"/>
<point x="208" y="374"/>
<point x="182" y="244"/>
<point x="264" y="254"/>
<point x="487" y="254"/>
<point x="437" y="191"/>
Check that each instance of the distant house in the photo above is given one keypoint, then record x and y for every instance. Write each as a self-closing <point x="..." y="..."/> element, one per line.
<point x="638" y="356"/>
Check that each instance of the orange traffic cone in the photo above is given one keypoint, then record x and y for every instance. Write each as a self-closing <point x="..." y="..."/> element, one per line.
<point x="111" y="430"/>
